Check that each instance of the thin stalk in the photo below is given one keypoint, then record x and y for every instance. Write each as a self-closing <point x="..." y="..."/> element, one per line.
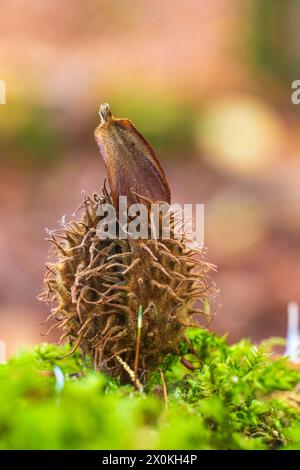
<point x="138" y="344"/>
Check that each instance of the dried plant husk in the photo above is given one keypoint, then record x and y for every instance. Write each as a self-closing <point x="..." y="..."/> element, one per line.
<point x="131" y="163"/>
<point x="96" y="288"/>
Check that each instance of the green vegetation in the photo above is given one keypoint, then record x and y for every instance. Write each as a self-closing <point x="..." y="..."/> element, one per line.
<point x="234" y="399"/>
<point x="30" y="134"/>
<point x="166" y="121"/>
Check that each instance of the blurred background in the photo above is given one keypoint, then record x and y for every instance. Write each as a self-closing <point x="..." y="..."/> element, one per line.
<point x="209" y="85"/>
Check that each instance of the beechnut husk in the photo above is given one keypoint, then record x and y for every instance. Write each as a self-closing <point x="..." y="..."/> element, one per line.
<point x="114" y="297"/>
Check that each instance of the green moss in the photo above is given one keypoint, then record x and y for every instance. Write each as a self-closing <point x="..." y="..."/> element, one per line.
<point x="233" y="400"/>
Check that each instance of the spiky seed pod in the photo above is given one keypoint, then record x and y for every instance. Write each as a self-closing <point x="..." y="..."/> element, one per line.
<point x="98" y="286"/>
<point x="114" y="298"/>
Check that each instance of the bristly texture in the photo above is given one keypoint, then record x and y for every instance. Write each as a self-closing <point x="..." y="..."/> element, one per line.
<point x="99" y="286"/>
<point x="125" y="303"/>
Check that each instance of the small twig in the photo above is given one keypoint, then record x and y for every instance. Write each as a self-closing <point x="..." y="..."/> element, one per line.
<point x="187" y="364"/>
<point x="164" y="389"/>
<point x="131" y="374"/>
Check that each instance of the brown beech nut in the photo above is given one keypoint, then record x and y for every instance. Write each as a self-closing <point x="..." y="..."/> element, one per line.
<point x="130" y="161"/>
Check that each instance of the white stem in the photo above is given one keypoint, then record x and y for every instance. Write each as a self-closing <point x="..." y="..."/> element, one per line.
<point x="292" y="340"/>
<point x="2" y="352"/>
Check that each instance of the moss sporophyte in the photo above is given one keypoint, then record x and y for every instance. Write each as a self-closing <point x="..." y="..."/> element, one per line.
<point x="126" y="302"/>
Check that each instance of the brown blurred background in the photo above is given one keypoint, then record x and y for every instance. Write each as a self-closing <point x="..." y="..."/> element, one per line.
<point x="209" y="84"/>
